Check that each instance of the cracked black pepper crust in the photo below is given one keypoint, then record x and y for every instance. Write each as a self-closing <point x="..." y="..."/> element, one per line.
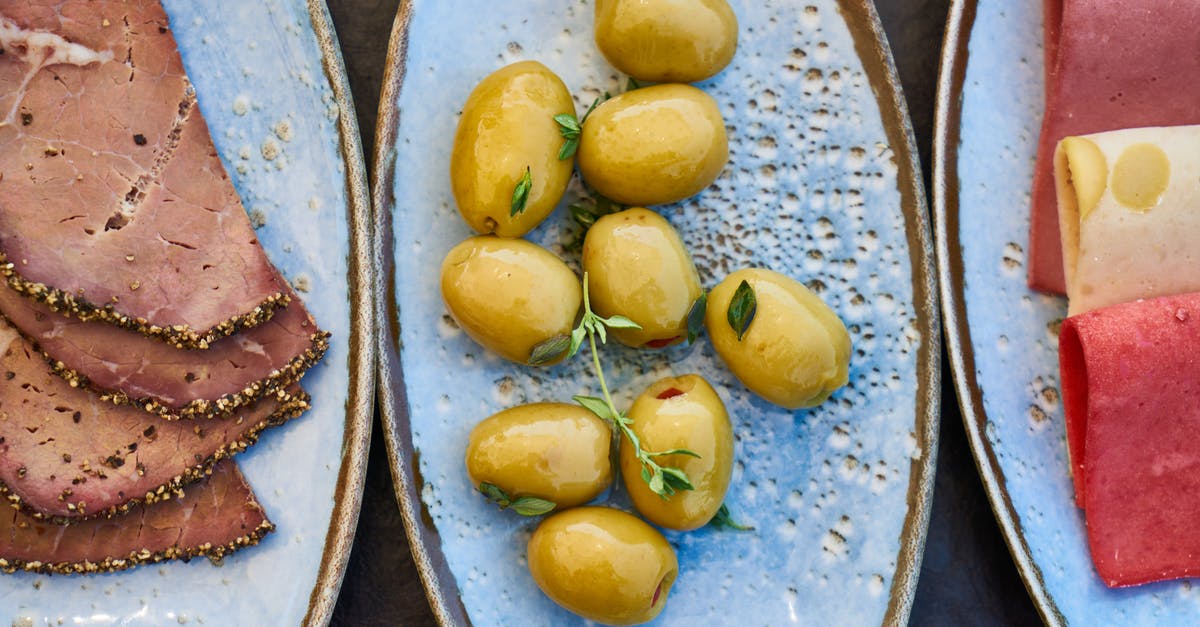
<point x="180" y="335"/>
<point x="290" y="406"/>
<point x="215" y="553"/>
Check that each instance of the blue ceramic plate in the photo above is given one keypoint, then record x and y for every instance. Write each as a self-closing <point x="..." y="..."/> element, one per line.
<point x="822" y="185"/>
<point x="1003" y="338"/>
<point x="256" y="65"/>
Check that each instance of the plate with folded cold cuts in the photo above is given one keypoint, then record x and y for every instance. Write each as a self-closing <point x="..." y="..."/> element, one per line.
<point x="184" y="313"/>
<point x="1083" y="459"/>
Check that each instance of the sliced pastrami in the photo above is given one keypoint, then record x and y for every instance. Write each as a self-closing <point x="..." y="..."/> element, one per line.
<point x="212" y="519"/>
<point x="66" y="454"/>
<point x="113" y="202"/>
<point x="131" y="369"/>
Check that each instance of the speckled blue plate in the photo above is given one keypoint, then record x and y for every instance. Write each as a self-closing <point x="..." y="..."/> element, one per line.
<point x="256" y="65"/>
<point x="1003" y="338"/>
<point x="822" y="185"/>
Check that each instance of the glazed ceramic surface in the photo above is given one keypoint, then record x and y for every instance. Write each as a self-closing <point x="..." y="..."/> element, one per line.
<point x="1003" y="338"/>
<point x="821" y="186"/>
<point x="260" y="76"/>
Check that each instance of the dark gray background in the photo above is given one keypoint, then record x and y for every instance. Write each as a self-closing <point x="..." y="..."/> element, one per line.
<point x="967" y="577"/>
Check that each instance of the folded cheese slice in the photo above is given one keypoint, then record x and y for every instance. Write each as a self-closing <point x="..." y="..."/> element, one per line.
<point x="1129" y="214"/>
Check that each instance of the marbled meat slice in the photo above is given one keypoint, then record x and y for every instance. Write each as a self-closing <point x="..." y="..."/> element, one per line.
<point x="113" y="202"/>
<point x="213" y="519"/>
<point x="66" y="454"/>
<point x="131" y="369"/>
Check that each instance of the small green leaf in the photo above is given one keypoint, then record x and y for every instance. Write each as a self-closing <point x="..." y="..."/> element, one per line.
<point x="595" y="103"/>
<point x="677" y="479"/>
<point x="632" y="84"/>
<point x="568" y="149"/>
<point x="578" y="334"/>
<point x="695" y="317"/>
<point x="598" y="328"/>
<point x="549" y="350"/>
<point x="494" y="494"/>
<point x="520" y="196"/>
<point x="724" y="520"/>
<point x="645" y="474"/>
<point x="657" y="484"/>
<point x="584" y="216"/>
<point x="675" y="451"/>
<point x="620" y="322"/>
<point x="532" y="506"/>
<point x="568" y="126"/>
<point x="596" y="406"/>
<point x="741" y="309"/>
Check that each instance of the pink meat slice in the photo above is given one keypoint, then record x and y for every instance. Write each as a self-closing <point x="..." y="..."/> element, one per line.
<point x="130" y="368"/>
<point x="67" y="454"/>
<point x="213" y="519"/>
<point x="113" y="201"/>
<point x="1120" y="64"/>
<point x="1130" y="391"/>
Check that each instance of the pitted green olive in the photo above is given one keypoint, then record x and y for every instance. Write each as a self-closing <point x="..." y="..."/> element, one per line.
<point x="667" y="41"/>
<point x="603" y="564"/>
<point x="507" y="125"/>
<point x="553" y="451"/>
<point x="509" y="294"/>
<point x="653" y="145"/>
<point x="681" y="413"/>
<point x="795" y="351"/>
<point x="637" y="267"/>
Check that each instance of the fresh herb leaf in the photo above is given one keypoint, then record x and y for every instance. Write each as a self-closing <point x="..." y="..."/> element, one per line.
<point x="677" y="479"/>
<point x="595" y="103"/>
<point x="494" y="494"/>
<point x="569" y="128"/>
<point x="549" y="350"/>
<point x="532" y="506"/>
<point x="632" y="84"/>
<point x="577" y="336"/>
<point x="695" y="317"/>
<point x="568" y="149"/>
<point x="724" y="520"/>
<point x="583" y="216"/>
<point x="520" y="196"/>
<point x="620" y="322"/>
<point x="658" y="485"/>
<point x="675" y="451"/>
<point x="596" y="406"/>
<point x="742" y="309"/>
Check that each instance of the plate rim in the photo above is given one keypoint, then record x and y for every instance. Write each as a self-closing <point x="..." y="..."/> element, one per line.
<point x="952" y="73"/>
<point x="870" y="43"/>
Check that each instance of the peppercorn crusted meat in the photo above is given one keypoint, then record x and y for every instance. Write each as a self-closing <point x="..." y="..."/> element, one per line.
<point x="113" y="202"/>
<point x="213" y="519"/>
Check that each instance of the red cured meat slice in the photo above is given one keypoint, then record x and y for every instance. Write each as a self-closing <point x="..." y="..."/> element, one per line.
<point x="1119" y="64"/>
<point x="213" y="519"/>
<point x="1132" y="398"/>
<point x="113" y="201"/>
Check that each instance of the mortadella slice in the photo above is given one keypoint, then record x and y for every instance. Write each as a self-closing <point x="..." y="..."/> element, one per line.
<point x="1131" y="390"/>
<point x="1120" y="64"/>
<point x="213" y="519"/>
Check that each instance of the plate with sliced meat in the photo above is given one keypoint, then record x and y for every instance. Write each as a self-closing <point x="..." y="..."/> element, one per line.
<point x="1065" y="189"/>
<point x="184" y="334"/>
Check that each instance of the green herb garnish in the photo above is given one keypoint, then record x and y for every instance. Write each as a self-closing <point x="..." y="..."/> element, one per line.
<point x="520" y="195"/>
<point x="549" y="350"/>
<point x="586" y="214"/>
<point x="695" y="317"/>
<point x="632" y="84"/>
<point x="724" y="520"/>
<point x="525" y="506"/>
<point x="742" y="309"/>
<point x="570" y="129"/>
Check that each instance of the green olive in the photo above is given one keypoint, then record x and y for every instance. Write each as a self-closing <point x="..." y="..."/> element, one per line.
<point x="507" y="125"/>
<point x="667" y="41"/>
<point x="603" y="564"/>
<point x="795" y="352"/>
<point x="553" y="451"/>
<point x="637" y="267"/>
<point x="653" y="145"/>
<point x="509" y="294"/>
<point x="681" y="413"/>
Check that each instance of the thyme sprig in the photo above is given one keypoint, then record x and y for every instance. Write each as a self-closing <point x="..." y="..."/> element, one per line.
<point x="525" y="505"/>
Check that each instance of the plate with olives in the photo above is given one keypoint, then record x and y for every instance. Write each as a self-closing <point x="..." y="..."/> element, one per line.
<point x="661" y="338"/>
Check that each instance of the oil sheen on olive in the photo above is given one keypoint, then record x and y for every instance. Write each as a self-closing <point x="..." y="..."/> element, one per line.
<point x="554" y="451"/>
<point x="509" y="294"/>
<point x="796" y="351"/>
<point x="637" y="267"/>
<point x="507" y="124"/>
<point x="603" y="564"/>
<point x="653" y="145"/>
<point x="667" y="41"/>
<point x="681" y="413"/>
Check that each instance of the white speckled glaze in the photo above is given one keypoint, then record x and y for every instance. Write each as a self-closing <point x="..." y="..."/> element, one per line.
<point x="1003" y="338"/>
<point x="839" y="493"/>
<point x="256" y="65"/>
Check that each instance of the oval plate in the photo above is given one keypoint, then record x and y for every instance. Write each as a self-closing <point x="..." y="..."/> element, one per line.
<point x="1003" y="338"/>
<point x="255" y="64"/>
<point x="823" y="186"/>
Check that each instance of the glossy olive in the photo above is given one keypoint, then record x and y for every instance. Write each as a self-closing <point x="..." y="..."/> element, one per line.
<point x="603" y="564"/>
<point x="667" y="41"/>
<point x="681" y="413"/>
<point x="796" y="351"/>
<point x="637" y="267"/>
<point x="553" y="451"/>
<point x="653" y="145"/>
<point x="507" y="125"/>
<point x="509" y="294"/>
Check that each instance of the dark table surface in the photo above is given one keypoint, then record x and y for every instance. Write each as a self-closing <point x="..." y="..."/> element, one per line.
<point x="967" y="576"/>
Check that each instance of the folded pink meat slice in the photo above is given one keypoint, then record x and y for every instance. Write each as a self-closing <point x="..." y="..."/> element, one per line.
<point x="67" y="454"/>
<point x="213" y="519"/>
<point x="1131" y="390"/>
<point x="129" y="368"/>
<point x="113" y="202"/>
<point x="1120" y="64"/>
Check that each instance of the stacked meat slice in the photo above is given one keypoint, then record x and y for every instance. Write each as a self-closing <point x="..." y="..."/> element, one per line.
<point x="145" y="336"/>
